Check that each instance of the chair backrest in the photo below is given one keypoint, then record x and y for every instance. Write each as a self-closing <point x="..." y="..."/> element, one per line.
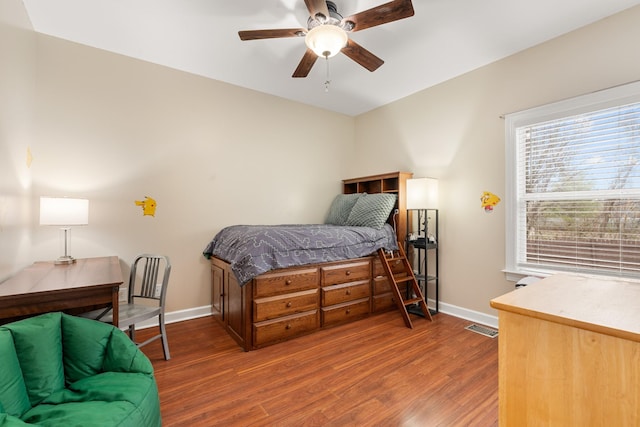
<point x="148" y="271"/>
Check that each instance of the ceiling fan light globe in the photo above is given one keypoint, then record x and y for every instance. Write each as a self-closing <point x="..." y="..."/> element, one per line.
<point x="326" y="40"/>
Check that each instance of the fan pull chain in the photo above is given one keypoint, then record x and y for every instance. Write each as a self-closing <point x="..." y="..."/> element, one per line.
<point x="328" y="80"/>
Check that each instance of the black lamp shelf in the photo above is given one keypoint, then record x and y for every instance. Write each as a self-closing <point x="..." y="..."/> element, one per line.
<point x="425" y="266"/>
<point x="415" y="309"/>
<point x="422" y="278"/>
<point x="422" y="244"/>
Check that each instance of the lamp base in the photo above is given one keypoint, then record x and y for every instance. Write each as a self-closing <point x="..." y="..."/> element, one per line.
<point x="65" y="260"/>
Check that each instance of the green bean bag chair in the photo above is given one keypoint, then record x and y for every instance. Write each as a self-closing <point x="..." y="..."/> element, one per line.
<point x="61" y="370"/>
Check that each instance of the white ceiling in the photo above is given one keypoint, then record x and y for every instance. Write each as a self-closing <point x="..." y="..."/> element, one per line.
<point x="445" y="38"/>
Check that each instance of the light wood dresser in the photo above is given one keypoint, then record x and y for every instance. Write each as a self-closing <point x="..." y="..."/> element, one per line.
<point x="569" y="353"/>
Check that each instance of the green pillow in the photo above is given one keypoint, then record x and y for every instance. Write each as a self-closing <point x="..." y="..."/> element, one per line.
<point x="84" y="342"/>
<point x="7" y="420"/>
<point x="123" y="355"/>
<point x="341" y="208"/>
<point x="120" y="413"/>
<point x="13" y="392"/>
<point x="38" y="345"/>
<point x="372" y="210"/>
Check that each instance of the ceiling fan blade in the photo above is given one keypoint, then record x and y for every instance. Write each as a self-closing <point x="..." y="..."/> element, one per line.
<point x="388" y="12"/>
<point x="271" y="34"/>
<point x="317" y="6"/>
<point x="305" y="64"/>
<point x="362" y="56"/>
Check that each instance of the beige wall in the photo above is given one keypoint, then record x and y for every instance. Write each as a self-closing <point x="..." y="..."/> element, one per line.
<point x="454" y="132"/>
<point x="114" y="129"/>
<point x="17" y="84"/>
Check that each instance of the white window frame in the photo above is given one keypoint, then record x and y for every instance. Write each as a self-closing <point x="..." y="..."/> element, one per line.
<point x="619" y="95"/>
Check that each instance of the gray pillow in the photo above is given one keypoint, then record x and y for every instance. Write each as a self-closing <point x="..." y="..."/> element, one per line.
<point x="372" y="210"/>
<point x="341" y="208"/>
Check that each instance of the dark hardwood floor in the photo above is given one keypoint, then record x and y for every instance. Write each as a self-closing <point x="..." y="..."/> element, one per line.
<point x="373" y="372"/>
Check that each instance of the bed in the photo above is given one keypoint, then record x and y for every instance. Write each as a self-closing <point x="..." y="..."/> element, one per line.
<point x="274" y="283"/>
<point x="252" y="250"/>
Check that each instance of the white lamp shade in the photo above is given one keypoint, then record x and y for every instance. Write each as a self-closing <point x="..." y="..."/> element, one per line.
<point x="326" y="40"/>
<point x="63" y="211"/>
<point x="422" y="193"/>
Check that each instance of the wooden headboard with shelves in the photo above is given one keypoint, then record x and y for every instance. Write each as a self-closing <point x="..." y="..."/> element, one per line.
<point x="393" y="183"/>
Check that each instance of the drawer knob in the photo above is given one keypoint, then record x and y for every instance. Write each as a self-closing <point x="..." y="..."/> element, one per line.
<point x="348" y="273"/>
<point x="288" y="326"/>
<point x="288" y="282"/>
<point x="348" y="291"/>
<point x="348" y="311"/>
<point x="288" y="304"/>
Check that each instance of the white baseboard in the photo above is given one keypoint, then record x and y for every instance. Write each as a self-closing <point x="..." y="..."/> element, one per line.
<point x="465" y="313"/>
<point x="178" y="316"/>
<point x="450" y="309"/>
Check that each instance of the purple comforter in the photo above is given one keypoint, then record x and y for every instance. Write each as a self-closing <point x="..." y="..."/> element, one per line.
<point x="255" y="249"/>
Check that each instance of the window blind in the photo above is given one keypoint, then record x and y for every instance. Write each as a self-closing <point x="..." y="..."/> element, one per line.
<point x="578" y="192"/>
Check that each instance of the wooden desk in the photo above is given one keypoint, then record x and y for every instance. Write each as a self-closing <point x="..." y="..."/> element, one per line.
<point x="569" y="353"/>
<point x="44" y="287"/>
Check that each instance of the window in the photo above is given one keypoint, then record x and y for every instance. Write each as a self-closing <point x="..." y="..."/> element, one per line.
<point x="573" y="186"/>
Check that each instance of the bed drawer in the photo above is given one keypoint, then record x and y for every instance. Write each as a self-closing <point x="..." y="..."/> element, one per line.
<point x="345" y="312"/>
<point x="282" y="305"/>
<point x="343" y="273"/>
<point x="271" y="331"/>
<point x="378" y="269"/>
<point x="301" y="279"/>
<point x="381" y="285"/>
<point x="345" y="292"/>
<point x="384" y="302"/>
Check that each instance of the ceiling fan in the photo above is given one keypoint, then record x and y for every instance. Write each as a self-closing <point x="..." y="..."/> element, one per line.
<point x="326" y="32"/>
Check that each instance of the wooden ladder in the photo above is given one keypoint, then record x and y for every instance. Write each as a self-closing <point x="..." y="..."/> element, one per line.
<point x="406" y="276"/>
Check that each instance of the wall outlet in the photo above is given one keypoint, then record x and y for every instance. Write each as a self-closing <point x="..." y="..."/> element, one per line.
<point x="158" y="290"/>
<point x="122" y="294"/>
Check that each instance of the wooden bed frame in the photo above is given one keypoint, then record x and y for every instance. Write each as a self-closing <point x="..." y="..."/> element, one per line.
<point x="285" y="303"/>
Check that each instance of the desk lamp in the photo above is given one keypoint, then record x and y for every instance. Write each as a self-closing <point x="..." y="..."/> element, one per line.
<point x="64" y="212"/>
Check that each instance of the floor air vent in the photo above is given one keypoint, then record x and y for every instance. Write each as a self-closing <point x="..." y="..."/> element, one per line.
<point x="483" y="330"/>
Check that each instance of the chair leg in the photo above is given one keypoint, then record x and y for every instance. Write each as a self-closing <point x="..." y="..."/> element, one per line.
<point x="163" y="338"/>
<point x="132" y="332"/>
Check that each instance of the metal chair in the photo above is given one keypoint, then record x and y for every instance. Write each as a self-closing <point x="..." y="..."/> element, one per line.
<point x="144" y="284"/>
